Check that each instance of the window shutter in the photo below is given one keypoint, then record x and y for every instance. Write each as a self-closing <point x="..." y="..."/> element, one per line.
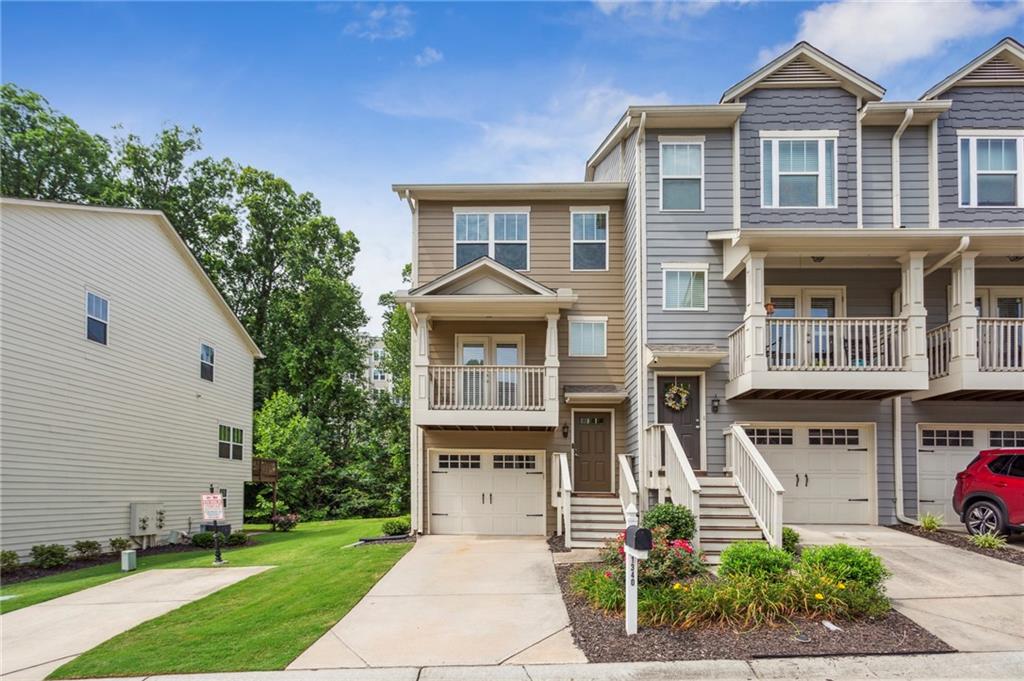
<point x="766" y="172"/>
<point x="830" y="174"/>
<point x="965" y="172"/>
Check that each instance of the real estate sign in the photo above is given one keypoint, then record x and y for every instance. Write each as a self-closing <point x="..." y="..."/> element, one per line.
<point x="213" y="507"/>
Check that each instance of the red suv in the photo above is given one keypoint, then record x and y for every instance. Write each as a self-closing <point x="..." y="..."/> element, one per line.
<point x="989" y="494"/>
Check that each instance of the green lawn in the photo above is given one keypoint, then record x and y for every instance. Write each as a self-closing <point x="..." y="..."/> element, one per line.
<point x="261" y="623"/>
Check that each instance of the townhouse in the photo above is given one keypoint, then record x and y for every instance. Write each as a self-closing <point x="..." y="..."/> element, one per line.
<point x="820" y="316"/>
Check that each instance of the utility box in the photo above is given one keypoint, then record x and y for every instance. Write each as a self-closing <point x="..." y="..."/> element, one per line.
<point x="146" y="518"/>
<point x="129" y="561"/>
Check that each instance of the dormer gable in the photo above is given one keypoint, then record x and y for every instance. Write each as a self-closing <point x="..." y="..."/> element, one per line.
<point x="483" y="277"/>
<point x="1001" y="65"/>
<point x="805" y="66"/>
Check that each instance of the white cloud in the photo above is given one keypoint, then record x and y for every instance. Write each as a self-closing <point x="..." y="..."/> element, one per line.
<point x="428" y="56"/>
<point x="382" y="22"/>
<point x="877" y="37"/>
<point x="661" y="10"/>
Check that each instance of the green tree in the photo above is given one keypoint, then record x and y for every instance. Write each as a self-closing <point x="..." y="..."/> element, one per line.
<point x="284" y="433"/>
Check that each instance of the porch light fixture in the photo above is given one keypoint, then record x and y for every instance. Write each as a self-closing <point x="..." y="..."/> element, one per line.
<point x="818" y="258"/>
<point x="715" y="404"/>
<point x="769" y="308"/>
<point x="1015" y="258"/>
<point x="565" y="430"/>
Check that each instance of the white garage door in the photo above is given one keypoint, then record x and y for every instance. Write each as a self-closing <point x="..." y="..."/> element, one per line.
<point x="826" y="471"/>
<point x="944" y="450"/>
<point x="482" y="493"/>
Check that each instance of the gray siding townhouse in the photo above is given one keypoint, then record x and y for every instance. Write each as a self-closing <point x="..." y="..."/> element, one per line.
<point x="820" y="318"/>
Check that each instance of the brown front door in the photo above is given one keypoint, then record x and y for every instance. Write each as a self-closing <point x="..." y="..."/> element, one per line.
<point x="592" y="446"/>
<point x="686" y="421"/>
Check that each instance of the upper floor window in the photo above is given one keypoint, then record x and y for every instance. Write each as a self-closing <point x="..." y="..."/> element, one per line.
<point x="588" y="336"/>
<point x="501" y="235"/>
<point x="378" y="355"/>
<point x="230" y="442"/>
<point x="589" y="239"/>
<point x="684" y="287"/>
<point x="96" y="317"/>
<point x="205" y="362"/>
<point x="682" y="173"/>
<point x="990" y="172"/>
<point x="379" y="374"/>
<point x="798" y="169"/>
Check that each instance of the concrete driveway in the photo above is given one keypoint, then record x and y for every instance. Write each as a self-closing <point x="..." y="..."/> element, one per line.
<point x="972" y="602"/>
<point x="38" y="639"/>
<point x="455" y="601"/>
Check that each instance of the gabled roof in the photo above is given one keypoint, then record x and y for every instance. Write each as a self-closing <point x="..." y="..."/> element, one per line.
<point x="500" y="280"/>
<point x="806" y="66"/>
<point x="1002" y="64"/>
<point x="179" y="246"/>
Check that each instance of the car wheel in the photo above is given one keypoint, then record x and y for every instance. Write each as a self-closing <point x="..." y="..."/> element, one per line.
<point x="984" y="517"/>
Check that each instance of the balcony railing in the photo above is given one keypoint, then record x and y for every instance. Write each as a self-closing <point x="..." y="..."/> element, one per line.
<point x="836" y="344"/>
<point x="1001" y="344"/>
<point x="938" y="351"/>
<point x="486" y="388"/>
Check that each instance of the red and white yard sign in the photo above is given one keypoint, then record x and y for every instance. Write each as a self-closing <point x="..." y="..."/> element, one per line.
<point x="213" y="507"/>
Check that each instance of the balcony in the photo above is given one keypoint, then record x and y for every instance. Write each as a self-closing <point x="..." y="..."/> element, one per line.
<point x="834" y="358"/>
<point x="991" y="368"/>
<point x="490" y="396"/>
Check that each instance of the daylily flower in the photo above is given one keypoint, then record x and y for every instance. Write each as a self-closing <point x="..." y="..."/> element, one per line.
<point x="819" y="597"/>
<point x="608" y="574"/>
<point x="841" y="585"/>
<point x="677" y="586"/>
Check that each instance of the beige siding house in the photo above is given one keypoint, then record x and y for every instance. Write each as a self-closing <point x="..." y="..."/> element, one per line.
<point x="125" y="380"/>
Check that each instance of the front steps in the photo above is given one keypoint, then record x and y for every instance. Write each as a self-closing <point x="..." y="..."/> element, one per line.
<point x="596" y="519"/>
<point x="724" y="517"/>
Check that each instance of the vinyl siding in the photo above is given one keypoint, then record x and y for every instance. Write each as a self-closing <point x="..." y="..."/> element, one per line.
<point x="975" y="107"/>
<point x="876" y="161"/>
<point x="799" y="109"/>
<point x="914" y="177"/>
<point x="631" y="276"/>
<point x="89" y="428"/>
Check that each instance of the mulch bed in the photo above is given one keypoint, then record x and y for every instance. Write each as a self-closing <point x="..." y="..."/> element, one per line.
<point x="961" y="541"/>
<point x="400" y="539"/>
<point x="602" y="637"/>
<point x="557" y="544"/>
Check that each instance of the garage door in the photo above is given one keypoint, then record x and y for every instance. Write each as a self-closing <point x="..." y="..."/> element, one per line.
<point x="944" y="450"/>
<point x="501" y="493"/>
<point x="826" y="471"/>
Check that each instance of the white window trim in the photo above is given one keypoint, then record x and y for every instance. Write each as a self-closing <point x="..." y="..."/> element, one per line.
<point x="231" y="441"/>
<point x="774" y="137"/>
<point x="667" y="267"/>
<point x="212" y="364"/>
<point x="588" y="320"/>
<point x="585" y="210"/>
<point x="104" y="296"/>
<point x="663" y="141"/>
<point x="973" y="135"/>
<point x="490" y="211"/>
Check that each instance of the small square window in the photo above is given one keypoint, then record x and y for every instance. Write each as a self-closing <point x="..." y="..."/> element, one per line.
<point x="587" y="338"/>
<point x="684" y="289"/>
<point x="798" y="172"/>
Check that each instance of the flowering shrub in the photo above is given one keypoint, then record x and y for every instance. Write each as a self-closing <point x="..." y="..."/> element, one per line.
<point x="678" y="519"/>
<point x="755" y="559"/>
<point x="844" y="562"/>
<point x="283" y="523"/>
<point x="669" y="560"/>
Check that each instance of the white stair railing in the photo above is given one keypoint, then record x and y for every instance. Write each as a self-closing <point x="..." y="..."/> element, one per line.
<point x="629" y="495"/>
<point x="560" y="471"/>
<point x="757" y="483"/>
<point x="682" y="481"/>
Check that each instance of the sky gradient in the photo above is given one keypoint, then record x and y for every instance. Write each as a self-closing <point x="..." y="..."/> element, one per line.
<point x="345" y="99"/>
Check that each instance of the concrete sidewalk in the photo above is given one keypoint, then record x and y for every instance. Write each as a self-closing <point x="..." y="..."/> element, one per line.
<point x="38" y="639"/>
<point x="950" y="666"/>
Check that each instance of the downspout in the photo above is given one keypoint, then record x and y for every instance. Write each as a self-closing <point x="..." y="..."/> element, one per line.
<point x="897" y="198"/>
<point x="965" y="241"/>
<point x="641" y="315"/>
<point x="897" y="459"/>
<point x="860" y="156"/>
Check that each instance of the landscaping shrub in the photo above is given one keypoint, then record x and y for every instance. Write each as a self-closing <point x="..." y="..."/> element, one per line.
<point x="118" y="544"/>
<point x="790" y="540"/>
<point x="930" y="522"/>
<point x="9" y="561"/>
<point x="396" y="528"/>
<point x="285" y="522"/>
<point x="203" y="540"/>
<point x="844" y="562"/>
<point x="604" y="589"/>
<point x="755" y="559"/>
<point x="87" y="549"/>
<point x="50" y="556"/>
<point x="988" y="540"/>
<point x="237" y="539"/>
<point x="669" y="560"/>
<point x="678" y="520"/>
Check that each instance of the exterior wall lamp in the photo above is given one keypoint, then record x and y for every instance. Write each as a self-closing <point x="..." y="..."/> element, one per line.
<point x="565" y="430"/>
<point x="715" y="404"/>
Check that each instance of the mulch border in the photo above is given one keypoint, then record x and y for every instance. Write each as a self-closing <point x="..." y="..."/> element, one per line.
<point x="602" y="639"/>
<point x="26" y="572"/>
<point x="960" y="541"/>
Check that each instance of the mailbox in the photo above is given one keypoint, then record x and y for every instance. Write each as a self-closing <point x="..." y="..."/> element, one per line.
<point x="638" y="538"/>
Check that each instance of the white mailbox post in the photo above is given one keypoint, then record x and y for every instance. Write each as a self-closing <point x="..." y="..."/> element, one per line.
<point x="637" y="546"/>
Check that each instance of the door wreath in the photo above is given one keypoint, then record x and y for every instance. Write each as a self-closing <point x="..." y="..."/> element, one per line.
<point x="677" y="397"/>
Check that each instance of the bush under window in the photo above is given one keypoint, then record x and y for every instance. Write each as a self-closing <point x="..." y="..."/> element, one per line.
<point x="50" y="556"/>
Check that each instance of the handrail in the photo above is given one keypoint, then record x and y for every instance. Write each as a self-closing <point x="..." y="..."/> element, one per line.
<point x="937" y="341"/>
<point x="682" y="481"/>
<point x="756" y="482"/>
<point x="565" y="494"/>
<point x="628" y="492"/>
<point x="836" y="343"/>
<point x="1000" y="344"/>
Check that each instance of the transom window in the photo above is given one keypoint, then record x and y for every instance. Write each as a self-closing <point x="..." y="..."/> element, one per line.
<point x="798" y="170"/>
<point x="206" y="355"/>
<point x="684" y="287"/>
<point x="458" y="461"/>
<point x="230" y="444"/>
<point x="947" y="438"/>
<point x="501" y="235"/>
<point x="833" y="436"/>
<point x="589" y="239"/>
<point x="990" y="172"/>
<point x="587" y="336"/>
<point x="770" y="436"/>
<point x="97" y="310"/>
<point x="516" y="461"/>
<point x="1006" y="438"/>
<point x="682" y="173"/>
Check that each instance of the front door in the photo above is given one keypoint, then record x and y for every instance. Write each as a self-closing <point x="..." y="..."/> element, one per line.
<point x="685" y="421"/>
<point x="592" y="447"/>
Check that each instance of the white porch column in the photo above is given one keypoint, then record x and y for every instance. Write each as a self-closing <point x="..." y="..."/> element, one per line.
<point x="420" y="380"/>
<point x="551" y="364"/>
<point x="915" y="350"/>
<point x="963" y="317"/>
<point x="755" y="317"/>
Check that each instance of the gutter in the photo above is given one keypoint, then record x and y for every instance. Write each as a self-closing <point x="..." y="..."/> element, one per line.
<point x="641" y="313"/>
<point x="965" y="241"/>
<point x="897" y="217"/>
<point x="897" y="459"/>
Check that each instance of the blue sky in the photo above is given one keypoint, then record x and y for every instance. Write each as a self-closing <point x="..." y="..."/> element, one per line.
<point x="344" y="99"/>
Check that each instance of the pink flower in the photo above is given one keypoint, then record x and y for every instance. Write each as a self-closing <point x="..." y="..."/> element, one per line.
<point x="608" y="575"/>
<point x="622" y="550"/>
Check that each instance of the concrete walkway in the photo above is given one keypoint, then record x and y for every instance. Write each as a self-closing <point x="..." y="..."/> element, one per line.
<point x="38" y="639"/>
<point x="972" y="602"/>
<point x="455" y="601"/>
